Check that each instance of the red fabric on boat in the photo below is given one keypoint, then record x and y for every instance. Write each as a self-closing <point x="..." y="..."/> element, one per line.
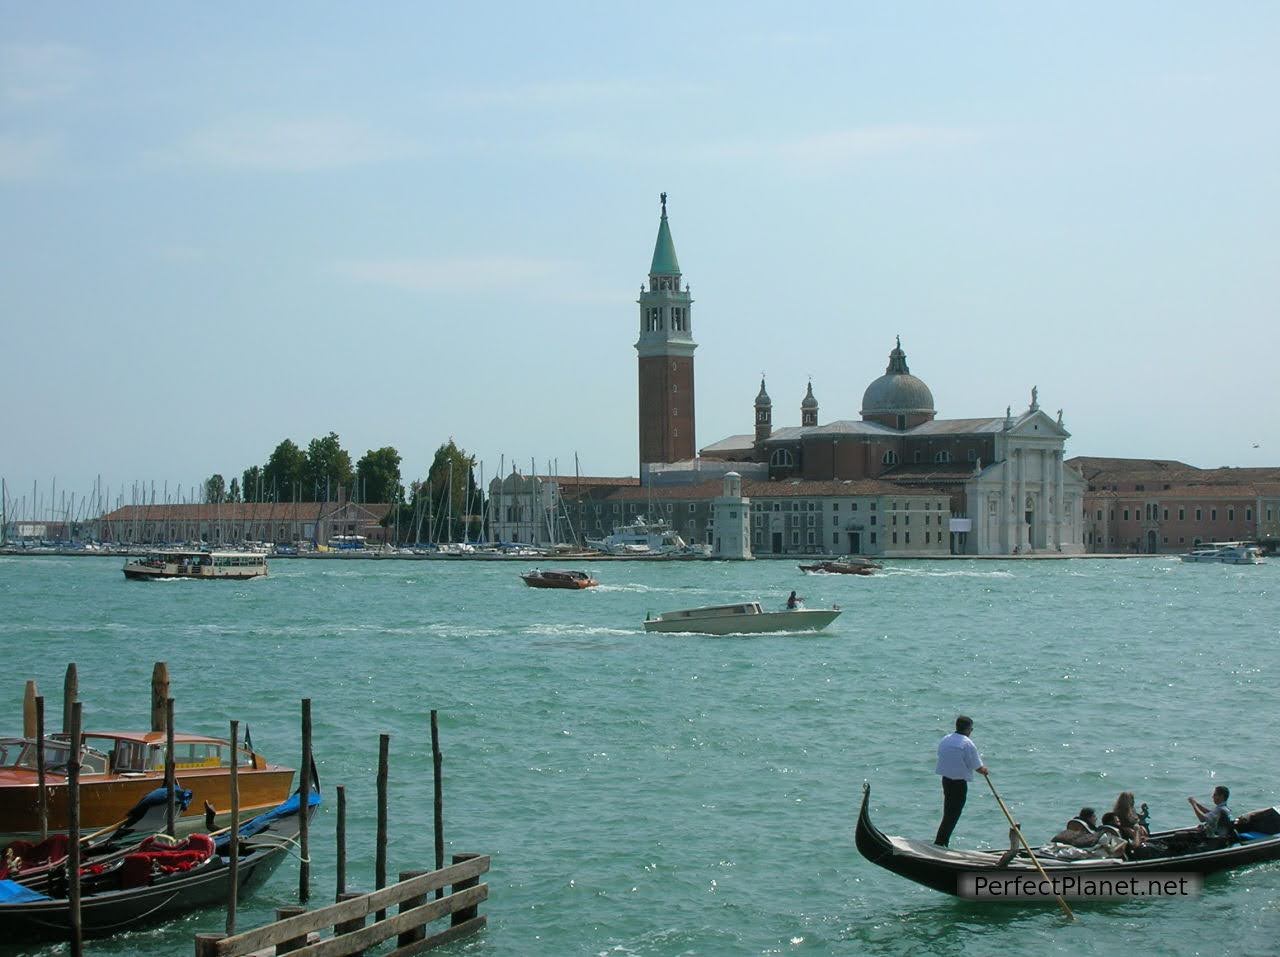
<point x="153" y="858"/>
<point x="53" y="848"/>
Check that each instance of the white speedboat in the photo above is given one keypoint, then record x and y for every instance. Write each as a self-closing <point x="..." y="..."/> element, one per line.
<point x="744" y="618"/>
<point x="1230" y="553"/>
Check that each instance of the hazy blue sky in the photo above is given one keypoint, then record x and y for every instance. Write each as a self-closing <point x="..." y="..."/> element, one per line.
<point x="226" y="224"/>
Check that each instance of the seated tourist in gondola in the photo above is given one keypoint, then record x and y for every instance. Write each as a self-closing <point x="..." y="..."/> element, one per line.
<point x="1081" y="830"/>
<point x="1130" y="822"/>
<point x="1110" y="843"/>
<point x="1215" y="822"/>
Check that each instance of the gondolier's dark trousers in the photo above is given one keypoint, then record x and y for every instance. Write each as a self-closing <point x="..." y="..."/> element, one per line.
<point x="954" y="793"/>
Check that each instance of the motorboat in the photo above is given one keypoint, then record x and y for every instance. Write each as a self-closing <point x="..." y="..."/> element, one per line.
<point x="1228" y="553"/>
<point x="843" y="566"/>
<point x="951" y="871"/>
<point x="744" y="618"/>
<point x="559" y="579"/>
<point x="235" y="566"/>
<point x="155" y="881"/>
<point x="118" y="768"/>
<point x="641" y="537"/>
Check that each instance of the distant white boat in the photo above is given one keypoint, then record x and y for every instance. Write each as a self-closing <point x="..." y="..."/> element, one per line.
<point x="1229" y="553"/>
<point x="641" y="537"/>
<point x="744" y="618"/>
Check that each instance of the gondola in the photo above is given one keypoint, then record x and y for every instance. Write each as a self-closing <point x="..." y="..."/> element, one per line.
<point x="949" y="870"/>
<point x="108" y="904"/>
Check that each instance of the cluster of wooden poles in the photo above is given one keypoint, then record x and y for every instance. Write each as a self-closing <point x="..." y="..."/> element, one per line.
<point x="162" y="719"/>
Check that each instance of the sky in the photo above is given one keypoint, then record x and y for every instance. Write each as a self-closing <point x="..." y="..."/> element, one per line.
<point x="223" y="225"/>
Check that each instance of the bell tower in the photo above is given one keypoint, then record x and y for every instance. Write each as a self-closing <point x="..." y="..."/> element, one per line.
<point x="764" y="414"/>
<point x="665" y="350"/>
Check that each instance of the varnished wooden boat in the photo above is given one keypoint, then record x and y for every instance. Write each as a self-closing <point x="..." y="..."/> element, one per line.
<point x="134" y="891"/>
<point x="559" y="579"/>
<point x="851" y="566"/>
<point x="118" y="768"/>
<point x="746" y="618"/>
<point x="945" y="870"/>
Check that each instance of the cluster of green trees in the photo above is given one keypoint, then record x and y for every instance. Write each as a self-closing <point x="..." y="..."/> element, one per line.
<point x="447" y="505"/>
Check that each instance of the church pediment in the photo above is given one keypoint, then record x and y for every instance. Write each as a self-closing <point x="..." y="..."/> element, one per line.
<point x="1038" y="425"/>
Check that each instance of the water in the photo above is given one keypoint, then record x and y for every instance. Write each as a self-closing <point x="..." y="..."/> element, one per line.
<point x="654" y="795"/>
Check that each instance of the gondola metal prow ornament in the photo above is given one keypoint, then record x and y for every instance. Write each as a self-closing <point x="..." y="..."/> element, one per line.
<point x="1017" y="830"/>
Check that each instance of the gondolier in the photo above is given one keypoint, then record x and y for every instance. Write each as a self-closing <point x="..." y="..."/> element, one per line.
<point x="958" y="758"/>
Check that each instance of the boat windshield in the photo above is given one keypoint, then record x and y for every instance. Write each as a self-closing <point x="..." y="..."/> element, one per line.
<point x="193" y="755"/>
<point x="21" y="753"/>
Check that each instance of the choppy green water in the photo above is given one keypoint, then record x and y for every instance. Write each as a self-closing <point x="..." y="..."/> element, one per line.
<point x="645" y="794"/>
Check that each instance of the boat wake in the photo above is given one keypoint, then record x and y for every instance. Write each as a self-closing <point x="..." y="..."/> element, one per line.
<point x="955" y="573"/>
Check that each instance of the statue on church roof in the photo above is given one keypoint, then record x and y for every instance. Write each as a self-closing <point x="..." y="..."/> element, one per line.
<point x="1035" y="402"/>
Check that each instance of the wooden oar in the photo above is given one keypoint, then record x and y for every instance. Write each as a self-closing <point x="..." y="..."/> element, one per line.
<point x="1017" y="830"/>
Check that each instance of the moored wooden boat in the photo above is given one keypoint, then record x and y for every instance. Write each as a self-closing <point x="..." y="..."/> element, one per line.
<point x="207" y="566"/>
<point x="743" y="618"/>
<point x="844" y="566"/>
<point x="947" y="870"/>
<point x="118" y="768"/>
<point x="152" y="884"/>
<point x="562" y="578"/>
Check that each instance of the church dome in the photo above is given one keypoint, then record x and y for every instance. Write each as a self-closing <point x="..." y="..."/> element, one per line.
<point x="897" y="391"/>
<point x="809" y="401"/>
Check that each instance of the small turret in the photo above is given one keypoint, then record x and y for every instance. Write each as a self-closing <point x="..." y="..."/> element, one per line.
<point x="809" y="408"/>
<point x="764" y="414"/>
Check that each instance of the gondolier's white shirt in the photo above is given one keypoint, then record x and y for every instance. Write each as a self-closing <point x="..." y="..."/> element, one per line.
<point x="958" y="757"/>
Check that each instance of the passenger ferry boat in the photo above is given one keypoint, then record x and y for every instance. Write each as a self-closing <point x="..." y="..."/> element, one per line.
<point x="117" y="768"/>
<point x="234" y="565"/>
<point x="1230" y="553"/>
<point x="744" y="618"/>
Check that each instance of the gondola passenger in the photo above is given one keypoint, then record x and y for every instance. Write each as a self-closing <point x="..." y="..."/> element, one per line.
<point x="1131" y="828"/>
<point x="1081" y="830"/>
<point x="1215" y="822"/>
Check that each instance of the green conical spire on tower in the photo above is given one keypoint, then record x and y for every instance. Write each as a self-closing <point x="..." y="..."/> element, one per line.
<point x="664" y="250"/>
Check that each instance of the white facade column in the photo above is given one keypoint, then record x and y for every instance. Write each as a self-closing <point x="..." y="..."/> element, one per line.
<point x="1005" y="519"/>
<point x="1060" y="509"/>
<point x="1020" y="512"/>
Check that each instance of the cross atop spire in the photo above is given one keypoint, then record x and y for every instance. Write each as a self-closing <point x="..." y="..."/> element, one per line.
<point x="663" y="199"/>
<point x="664" y="250"/>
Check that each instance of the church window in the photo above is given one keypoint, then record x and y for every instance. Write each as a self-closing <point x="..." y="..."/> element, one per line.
<point x="873" y="506"/>
<point x="890" y="458"/>
<point x="1199" y="515"/>
<point x="691" y="506"/>
<point x="795" y="537"/>
<point x="873" y="519"/>
<point x="1213" y="514"/>
<point x="781" y="458"/>
<point x="906" y="538"/>
<point x="942" y="457"/>
<point x="810" y="522"/>
<point x="1166" y="515"/>
<point x="917" y="457"/>
<point x="895" y="538"/>
<point x="1248" y="515"/>
<point x="835" y="507"/>
<point x="873" y="538"/>
<point x="906" y="519"/>
<point x="809" y="538"/>
<point x="835" y="538"/>
<point x="895" y="519"/>
<point x="926" y="538"/>
<point x="1126" y="515"/>
<point x="1231" y="515"/>
<point x="777" y="506"/>
<point x="1182" y="515"/>
<point x="971" y="455"/>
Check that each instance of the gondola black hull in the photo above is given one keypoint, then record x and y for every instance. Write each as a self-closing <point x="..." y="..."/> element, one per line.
<point x="109" y="913"/>
<point x="945" y="870"/>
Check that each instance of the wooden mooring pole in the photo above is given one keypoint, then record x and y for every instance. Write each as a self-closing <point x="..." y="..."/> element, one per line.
<point x="342" y="842"/>
<point x="380" y="860"/>
<point x="159" y="695"/>
<point x="42" y="796"/>
<point x="29" y="709"/>
<point x="437" y="761"/>
<point x="233" y="849"/>
<point x="170" y="772"/>
<point x="73" y="834"/>
<point x="304" y="802"/>
<point x="70" y="691"/>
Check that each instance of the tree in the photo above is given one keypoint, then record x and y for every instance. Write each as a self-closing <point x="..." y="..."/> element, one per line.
<point x="251" y="484"/>
<point x="378" y="476"/>
<point x="450" y="497"/>
<point x="233" y="493"/>
<point x="215" y="489"/>
<point x="284" y="477"/>
<point x="328" y="468"/>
